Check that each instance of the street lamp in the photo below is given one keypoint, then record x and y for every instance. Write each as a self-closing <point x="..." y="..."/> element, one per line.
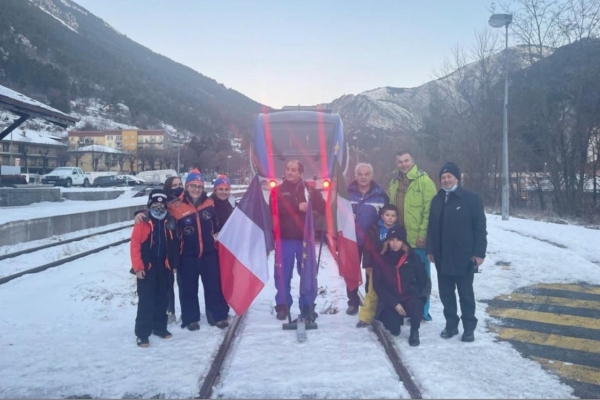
<point x="228" y="170"/>
<point x="499" y="21"/>
<point x="178" y="150"/>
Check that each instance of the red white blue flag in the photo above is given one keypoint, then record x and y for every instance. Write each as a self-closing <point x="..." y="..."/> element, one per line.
<point x="244" y="243"/>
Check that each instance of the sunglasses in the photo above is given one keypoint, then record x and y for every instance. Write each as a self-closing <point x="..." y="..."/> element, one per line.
<point x="158" y="207"/>
<point x="196" y="187"/>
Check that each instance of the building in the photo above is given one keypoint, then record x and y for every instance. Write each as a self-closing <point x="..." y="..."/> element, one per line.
<point x="128" y="150"/>
<point x="35" y="152"/>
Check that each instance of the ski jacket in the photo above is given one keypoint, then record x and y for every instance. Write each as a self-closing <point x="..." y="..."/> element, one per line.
<point x="197" y="224"/>
<point x="374" y="243"/>
<point x="394" y="284"/>
<point x="154" y="242"/>
<point x="224" y="208"/>
<point x="457" y="231"/>
<point x="417" y="201"/>
<point x="366" y="208"/>
<point x="284" y="201"/>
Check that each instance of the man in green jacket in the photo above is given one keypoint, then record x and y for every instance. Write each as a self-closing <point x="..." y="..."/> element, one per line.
<point x="411" y="190"/>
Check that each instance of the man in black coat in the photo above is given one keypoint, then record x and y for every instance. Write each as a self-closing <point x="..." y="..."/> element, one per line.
<point x="456" y="243"/>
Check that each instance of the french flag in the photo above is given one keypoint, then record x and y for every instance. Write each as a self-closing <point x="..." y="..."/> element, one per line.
<point x="244" y="243"/>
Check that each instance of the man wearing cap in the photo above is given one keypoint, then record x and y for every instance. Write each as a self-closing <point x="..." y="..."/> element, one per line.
<point x="197" y="222"/>
<point x="154" y="252"/>
<point x="288" y="203"/>
<point x="456" y="243"/>
<point x="411" y="190"/>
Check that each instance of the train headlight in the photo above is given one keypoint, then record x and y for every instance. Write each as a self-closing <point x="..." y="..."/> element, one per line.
<point x="272" y="184"/>
<point x="326" y="184"/>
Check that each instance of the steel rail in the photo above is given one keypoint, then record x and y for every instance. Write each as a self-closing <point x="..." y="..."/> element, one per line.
<point x="49" y="245"/>
<point x="214" y="372"/>
<point x="61" y="262"/>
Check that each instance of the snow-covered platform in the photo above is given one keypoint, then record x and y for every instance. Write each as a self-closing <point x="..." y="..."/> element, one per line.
<point x="69" y="332"/>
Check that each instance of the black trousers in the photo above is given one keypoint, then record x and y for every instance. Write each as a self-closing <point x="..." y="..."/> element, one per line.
<point x="392" y="321"/>
<point x="206" y="267"/>
<point x="448" y="285"/>
<point x="152" y="304"/>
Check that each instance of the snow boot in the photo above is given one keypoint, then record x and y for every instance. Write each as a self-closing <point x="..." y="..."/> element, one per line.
<point x="163" y="334"/>
<point x="143" y="342"/>
<point x="194" y="326"/>
<point x="447" y="333"/>
<point x="352" y="310"/>
<point x="222" y="324"/>
<point x="281" y="312"/>
<point x="413" y="340"/>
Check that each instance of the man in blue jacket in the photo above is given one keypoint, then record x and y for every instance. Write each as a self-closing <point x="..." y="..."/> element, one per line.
<point x="456" y="243"/>
<point x="366" y="197"/>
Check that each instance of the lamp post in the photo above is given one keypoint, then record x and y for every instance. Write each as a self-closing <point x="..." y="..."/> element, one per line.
<point x="228" y="170"/>
<point x="499" y="21"/>
<point x="178" y="151"/>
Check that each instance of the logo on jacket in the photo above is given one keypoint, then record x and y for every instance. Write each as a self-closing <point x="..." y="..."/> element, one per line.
<point x="189" y="230"/>
<point x="206" y="215"/>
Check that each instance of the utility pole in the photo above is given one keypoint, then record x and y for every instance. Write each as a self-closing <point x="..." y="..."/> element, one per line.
<point x="178" y="150"/>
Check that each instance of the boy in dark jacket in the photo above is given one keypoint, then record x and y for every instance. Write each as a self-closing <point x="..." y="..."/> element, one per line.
<point x="376" y="237"/>
<point x="402" y="285"/>
<point x="154" y="256"/>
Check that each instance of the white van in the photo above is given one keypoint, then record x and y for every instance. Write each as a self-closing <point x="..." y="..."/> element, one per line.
<point x="156" y="177"/>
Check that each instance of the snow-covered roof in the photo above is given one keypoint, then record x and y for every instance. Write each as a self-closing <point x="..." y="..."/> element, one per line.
<point x="33" y="137"/>
<point x="96" y="148"/>
<point x="10" y="100"/>
<point x="21" y="104"/>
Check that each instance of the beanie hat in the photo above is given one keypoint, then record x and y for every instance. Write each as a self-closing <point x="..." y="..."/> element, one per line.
<point x="194" y="176"/>
<point x="451" y="168"/>
<point x="221" y="180"/>
<point x="397" y="232"/>
<point x="157" y="196"/>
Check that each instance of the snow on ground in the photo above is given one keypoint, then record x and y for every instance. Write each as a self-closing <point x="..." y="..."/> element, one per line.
<point x="69" y="331"/>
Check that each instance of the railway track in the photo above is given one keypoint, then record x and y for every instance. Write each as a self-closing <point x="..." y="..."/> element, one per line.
<point x="212" y="377"/>
<point x="62" y="261"/>
<point x="62" y="242"/>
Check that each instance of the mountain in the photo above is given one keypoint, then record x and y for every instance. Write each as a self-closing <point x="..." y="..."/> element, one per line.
<point x="390" y="111"/>
<point x="57" y="52"/>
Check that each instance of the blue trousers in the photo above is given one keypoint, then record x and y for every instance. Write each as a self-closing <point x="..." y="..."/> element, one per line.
<point x="190" y="270"/>
<point x="287" y="251"/>
<point x="423" y="255"/>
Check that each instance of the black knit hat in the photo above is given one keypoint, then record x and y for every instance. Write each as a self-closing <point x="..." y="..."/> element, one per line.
<point x="157" y="196"/>
<point x="452" y="168"/>
<point x="396" y="232"/>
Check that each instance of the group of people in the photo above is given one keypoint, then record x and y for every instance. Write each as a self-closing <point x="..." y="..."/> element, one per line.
<point x="399" y="232"/>
<point x="176" y="236"/>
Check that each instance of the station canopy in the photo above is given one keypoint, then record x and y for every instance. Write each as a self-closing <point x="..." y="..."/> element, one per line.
<point x="26" y="107"/>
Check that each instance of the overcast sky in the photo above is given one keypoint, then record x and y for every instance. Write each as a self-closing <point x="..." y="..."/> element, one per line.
<point x="305" y="52"/>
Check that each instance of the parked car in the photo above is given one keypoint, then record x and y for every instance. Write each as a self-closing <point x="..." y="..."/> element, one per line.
<point x="156" y="177"/>
<point x="108" y="181"/>
<point x="131" y="180"/>
<point x="67" y="177"/>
